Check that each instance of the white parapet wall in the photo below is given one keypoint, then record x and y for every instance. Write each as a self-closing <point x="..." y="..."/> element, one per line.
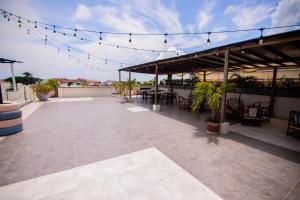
<point x="85" y="91"/>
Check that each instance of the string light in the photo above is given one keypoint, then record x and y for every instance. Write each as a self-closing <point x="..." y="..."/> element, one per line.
<point x="208" y="38"/>
<point x="4" y="14"/>
<point x="75" y="32"/>
<point x="35" y="26"/>
<point x="46" y="39"/>
<point x="106" y="61"/>
<point x="88" y="56"/>
<point x="130" y="37"/>
<point x="100" y="37"/>
<point x="166" y="38"/>
<point x="58" y="50"/>
<point x="68" y="48"/>
<point x="19" y="22"/>
<point x="54" y="31"/>
<point x="28" y="32"/>
<point x="261" y="40"/>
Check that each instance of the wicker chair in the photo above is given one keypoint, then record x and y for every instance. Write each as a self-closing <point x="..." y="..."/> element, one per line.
<point x="234" y="108"/>
<point x="251" y="114"/>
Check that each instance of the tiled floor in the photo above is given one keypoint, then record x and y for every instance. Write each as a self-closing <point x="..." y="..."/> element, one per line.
<point x="64" y="135"/>
<point x="142" y="175"/>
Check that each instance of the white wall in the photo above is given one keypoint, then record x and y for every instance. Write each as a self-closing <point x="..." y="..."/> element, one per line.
<point x="85" y="91"/>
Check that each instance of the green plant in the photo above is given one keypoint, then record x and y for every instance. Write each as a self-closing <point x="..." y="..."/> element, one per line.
<point x="53" y="83"/>
<point x="42" y="88"/>
<point x="244" y="81"/>
<point x="212" y="94"/>
<point x="84" y="84"/>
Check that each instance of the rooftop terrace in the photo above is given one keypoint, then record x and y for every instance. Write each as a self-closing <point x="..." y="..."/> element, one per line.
<point x="66" y="134"/>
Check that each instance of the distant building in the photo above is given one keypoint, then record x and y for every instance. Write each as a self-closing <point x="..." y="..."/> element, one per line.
<point x="64" y="82"/>
<point x="109" y="83"/>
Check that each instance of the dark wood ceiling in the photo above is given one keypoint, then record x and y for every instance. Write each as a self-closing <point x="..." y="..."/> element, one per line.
<point x="280" y="50"/>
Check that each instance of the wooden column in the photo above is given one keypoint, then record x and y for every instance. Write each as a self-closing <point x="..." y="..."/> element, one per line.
<point x="129" y="84"/>
<point x="273" y="91"/>
<point x="156" y="85"/>
<point x="170" y="82"/>
<point x="225" y="79"/>
<point x="204" y="76"/>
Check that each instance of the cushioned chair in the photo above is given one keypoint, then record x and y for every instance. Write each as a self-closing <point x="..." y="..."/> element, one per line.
<point x="251" y="114"/>
<point x="294" y="123"/>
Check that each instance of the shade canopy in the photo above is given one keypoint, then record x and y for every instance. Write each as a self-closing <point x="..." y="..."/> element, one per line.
<point x="280" y="50"/>
<point x="3" y="60"/>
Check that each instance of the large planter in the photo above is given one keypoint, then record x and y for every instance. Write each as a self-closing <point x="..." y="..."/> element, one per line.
<point x="10" y="119"/>
<point x="213" y="128"/>
<point x="42" y="96"/>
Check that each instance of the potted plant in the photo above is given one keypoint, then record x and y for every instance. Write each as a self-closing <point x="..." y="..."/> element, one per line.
<point x="213" y="95"/>
<point x="42" y="91"/>
<point x="54" y="84"/>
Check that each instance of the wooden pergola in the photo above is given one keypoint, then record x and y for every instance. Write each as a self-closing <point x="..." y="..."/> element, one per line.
<point x="273" y="52"/>
<point x="11" y="62"/>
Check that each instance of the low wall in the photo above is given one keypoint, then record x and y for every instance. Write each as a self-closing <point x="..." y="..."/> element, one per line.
<point x="85" y="91"/>
<point x="282" y="105"/>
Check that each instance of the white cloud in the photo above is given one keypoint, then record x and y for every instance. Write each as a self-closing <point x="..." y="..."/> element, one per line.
<point x="82" y="13"/>
<point x="286" y="13"/>
<point x="247" y="16"/>
<point x="205" y="15"/>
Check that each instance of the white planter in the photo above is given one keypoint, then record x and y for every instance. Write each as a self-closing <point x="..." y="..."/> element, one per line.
<point x="156" y="107"/>
<point x="224" y="128"/>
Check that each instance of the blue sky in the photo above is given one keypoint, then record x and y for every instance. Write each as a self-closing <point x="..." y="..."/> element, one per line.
<point x="136" y="16"/>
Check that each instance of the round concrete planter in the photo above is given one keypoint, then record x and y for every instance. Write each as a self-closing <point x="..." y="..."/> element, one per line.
<point x="11" y="130"/>
<point x="213" y="128"/>
<point x="10" y="122"/>
<point x="10" y="114"/>
<point x="10" y="119"/>
<point x="43" y="96"/>
<point x="9" y="107"/>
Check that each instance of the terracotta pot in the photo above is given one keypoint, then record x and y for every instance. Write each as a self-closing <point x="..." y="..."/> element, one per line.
<point x="43" y="96"/>
<point x="213" y="127"/>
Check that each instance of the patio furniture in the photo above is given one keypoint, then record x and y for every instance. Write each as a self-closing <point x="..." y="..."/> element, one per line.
<point x="183" y="102"/>
<point x="294" y="123"/>
<point x="170" y="96"/>
<point x="234" y="108"/>
<point x="251" y="114"/>
<point x="264" y="109"/>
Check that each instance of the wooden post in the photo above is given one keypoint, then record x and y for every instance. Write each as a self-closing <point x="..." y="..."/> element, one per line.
<point x="156" y="85"/>
<point x="273" y="91"/>
<point x="170" y="82"/>
<point x="204" y="76"/>
<point x="225" y="78"/>
<point x="129" y="84"/>
<point x="182" y="78"/>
